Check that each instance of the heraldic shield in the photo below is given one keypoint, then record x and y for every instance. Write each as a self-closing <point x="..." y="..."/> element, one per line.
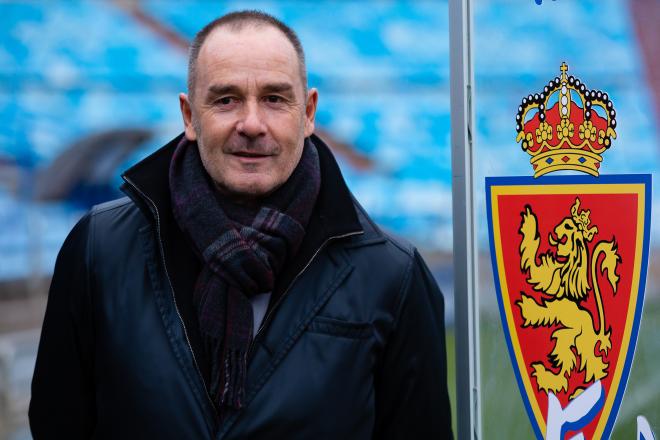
<point x="569" y="257"/>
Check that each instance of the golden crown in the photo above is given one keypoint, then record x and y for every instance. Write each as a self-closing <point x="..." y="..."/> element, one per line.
<point x="566" y="126"/>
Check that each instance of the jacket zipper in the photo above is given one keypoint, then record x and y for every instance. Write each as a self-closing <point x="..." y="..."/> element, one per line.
<point x="268" y="316"/>
<point x="167" y="275"/>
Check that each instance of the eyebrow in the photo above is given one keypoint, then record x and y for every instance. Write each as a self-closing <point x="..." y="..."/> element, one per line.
<point x="282" y="87"/>
<point x="219" y="89"/>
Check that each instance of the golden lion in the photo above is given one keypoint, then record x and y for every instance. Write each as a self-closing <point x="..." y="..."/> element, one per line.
<point x="565" y="278"/>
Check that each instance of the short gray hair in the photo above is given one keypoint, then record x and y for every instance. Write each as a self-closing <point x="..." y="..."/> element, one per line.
<point x="236" y="21"/>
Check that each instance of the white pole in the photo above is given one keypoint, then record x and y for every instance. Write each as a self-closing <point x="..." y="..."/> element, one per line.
<point x="466" y="320"/>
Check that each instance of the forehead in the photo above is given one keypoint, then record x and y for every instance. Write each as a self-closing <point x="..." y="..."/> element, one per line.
<point x="252" y="52"/>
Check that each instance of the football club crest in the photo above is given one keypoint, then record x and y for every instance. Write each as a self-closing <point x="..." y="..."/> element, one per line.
<point x="569" y="257"/>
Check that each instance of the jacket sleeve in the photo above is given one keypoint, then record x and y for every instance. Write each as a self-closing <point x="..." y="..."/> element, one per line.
<point x="62" y="403"/>
<point x="411" y="382"/>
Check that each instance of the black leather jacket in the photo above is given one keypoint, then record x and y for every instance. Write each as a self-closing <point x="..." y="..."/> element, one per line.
<point x="352" y="345"/>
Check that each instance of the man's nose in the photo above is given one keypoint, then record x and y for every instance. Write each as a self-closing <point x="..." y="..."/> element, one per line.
<point x="251" y="123"/>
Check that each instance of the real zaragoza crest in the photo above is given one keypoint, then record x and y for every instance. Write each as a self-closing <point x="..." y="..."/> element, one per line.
<point x="569" y="256"/>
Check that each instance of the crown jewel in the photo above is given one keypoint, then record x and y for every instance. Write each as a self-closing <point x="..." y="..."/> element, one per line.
<point x="566" y="126"/>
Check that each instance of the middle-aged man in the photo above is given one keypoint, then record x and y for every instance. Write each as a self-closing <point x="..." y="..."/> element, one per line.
<point x="240" y="291"/>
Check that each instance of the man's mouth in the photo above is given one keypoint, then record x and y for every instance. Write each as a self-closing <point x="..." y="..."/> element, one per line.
<point x="249" y="154"/>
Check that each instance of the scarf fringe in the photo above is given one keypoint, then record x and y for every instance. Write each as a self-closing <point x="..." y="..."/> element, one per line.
<point x="235" y="367"/>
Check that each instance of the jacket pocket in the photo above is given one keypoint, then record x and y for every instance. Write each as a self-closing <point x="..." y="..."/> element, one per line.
<point x="342" y="329"/>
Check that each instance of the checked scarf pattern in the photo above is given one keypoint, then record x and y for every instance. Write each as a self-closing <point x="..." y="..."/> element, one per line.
<point x="243" y="250"/>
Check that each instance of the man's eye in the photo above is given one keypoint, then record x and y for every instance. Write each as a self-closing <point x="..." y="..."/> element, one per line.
<point x="274" y="99"/>
<point x="226" y="100"/>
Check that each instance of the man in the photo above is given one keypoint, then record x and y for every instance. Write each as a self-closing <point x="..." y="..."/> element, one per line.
<point x="239" y="291"/>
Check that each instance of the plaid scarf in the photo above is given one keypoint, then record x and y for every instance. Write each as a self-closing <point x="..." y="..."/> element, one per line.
<point x="243" y="250"/>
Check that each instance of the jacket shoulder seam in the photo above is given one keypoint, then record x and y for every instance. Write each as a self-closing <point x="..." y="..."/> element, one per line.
<point x="110" y="206"/>
<point x="403" y="245"/>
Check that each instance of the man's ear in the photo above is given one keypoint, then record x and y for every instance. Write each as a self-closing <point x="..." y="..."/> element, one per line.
<point x="186" y="112"/>
<point x="310" y="110"/>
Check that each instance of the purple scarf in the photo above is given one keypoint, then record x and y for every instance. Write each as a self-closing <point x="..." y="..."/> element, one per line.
<point x="243" y="249"/>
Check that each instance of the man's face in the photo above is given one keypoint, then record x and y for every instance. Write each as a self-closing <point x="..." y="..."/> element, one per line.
<point x="249" y="114"/>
